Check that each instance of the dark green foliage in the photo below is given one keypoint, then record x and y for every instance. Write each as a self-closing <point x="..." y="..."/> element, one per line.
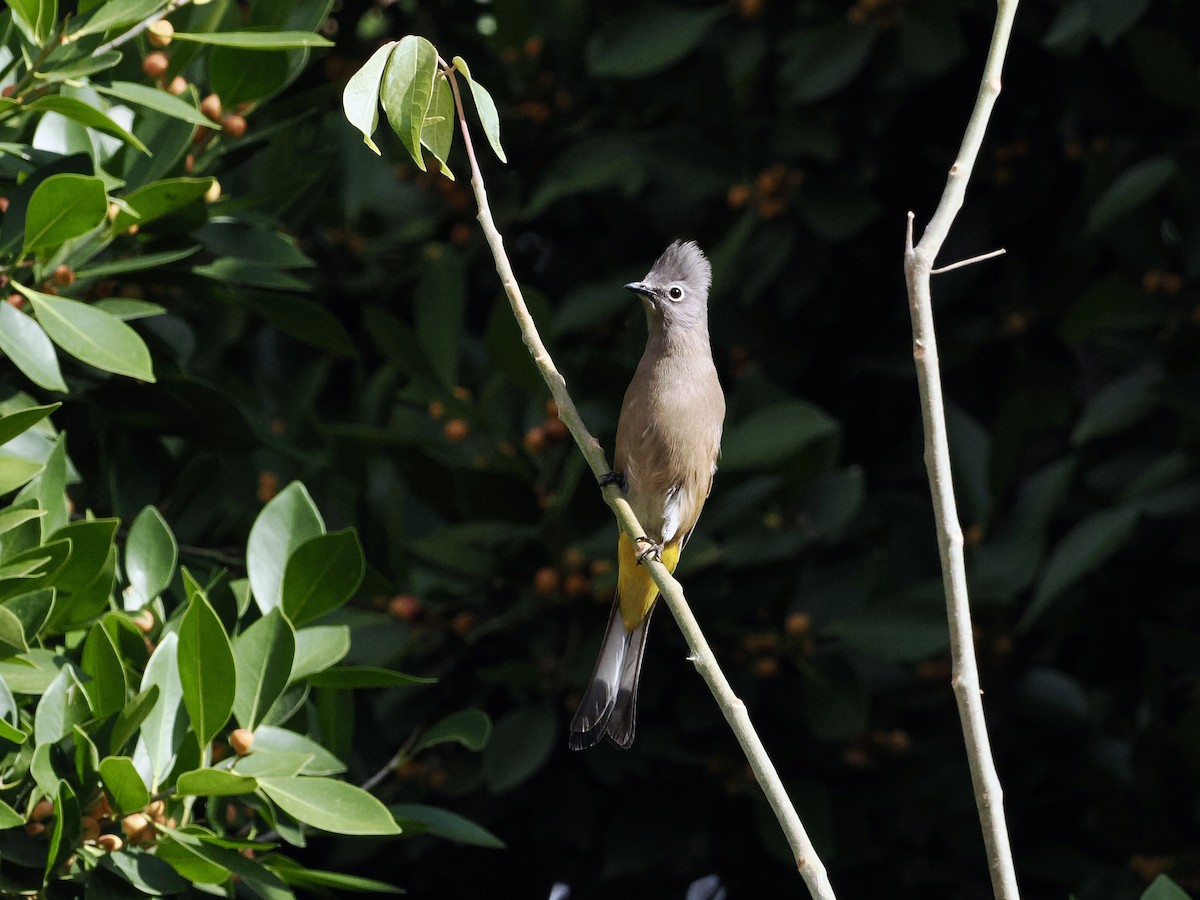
<point x="335" y="319"/>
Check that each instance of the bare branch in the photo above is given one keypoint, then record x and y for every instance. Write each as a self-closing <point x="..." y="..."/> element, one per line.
<point x="807" y="862"/>
<point x="918" y="262"/>
<point x="968" y="262"/>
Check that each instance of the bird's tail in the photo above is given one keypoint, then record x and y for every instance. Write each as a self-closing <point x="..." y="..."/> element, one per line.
<point x="609" y="705"/>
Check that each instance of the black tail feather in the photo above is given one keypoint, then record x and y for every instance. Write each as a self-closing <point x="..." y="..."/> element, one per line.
<point x="622" y="721"/>
<point x="609" y="705"/>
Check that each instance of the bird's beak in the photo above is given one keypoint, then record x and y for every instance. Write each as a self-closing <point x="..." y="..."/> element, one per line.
<point x="642" y="290"/>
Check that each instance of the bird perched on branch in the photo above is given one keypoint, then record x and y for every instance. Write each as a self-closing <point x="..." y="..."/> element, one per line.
<point x="668" y="438"/>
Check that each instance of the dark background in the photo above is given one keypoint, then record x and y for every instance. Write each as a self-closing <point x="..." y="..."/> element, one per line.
<point x="790" y="140"/>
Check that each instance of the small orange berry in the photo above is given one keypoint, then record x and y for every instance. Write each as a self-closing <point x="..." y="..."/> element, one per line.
<point x="545" y="582"/>
<point x="41" y="811"/>
<point x="64" y="275"/>
<point x="766" y="667"/>
<point x="268" y="486"/>
<point x="144" y="621"/>
<point x="599" y="567"/>
<point x="156" y="64"/>
<point x="210" y="106"/>
<point x="160" y="33"/>
<point x="463" y="623"/>
<point x="234" y="125"/>
<point x="177" y="86"/>
<point x="109" y="843"/>
<point x="797" y="624"/>
<point x="535" y="440"/>
<point x="436" y="409"/>
<point x="456" y="430"/>
<point x="555" y="429"/>
<point x="461" y="393"/>
<point x="213" y="194"/>
<point x="16" y="301"/>
<point x="738" y="196"/>
<point x="34" y="829"/>
<point x="576" y="585"/>
<point x="134" y="825"/>
<point x="241" y="740"/>
<point x="404" y="607"/>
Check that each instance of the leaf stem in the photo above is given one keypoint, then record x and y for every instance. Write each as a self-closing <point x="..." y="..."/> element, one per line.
<point x="140" y="27"/>
<point x="918" y="266"/>
<point x="807" y="861"/>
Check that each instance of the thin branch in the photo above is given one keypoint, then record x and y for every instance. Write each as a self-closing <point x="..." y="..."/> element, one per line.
<point x="807" y="862"/>
<point x="918" y="262"/>
<point x="968" y="262"/>
<point x="140" y="27"/>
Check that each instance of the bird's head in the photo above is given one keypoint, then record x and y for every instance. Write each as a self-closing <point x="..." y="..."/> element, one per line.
<point x="675" y="290"/>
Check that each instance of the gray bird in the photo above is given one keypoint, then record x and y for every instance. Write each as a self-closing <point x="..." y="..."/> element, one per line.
<point x="668" y="439"/>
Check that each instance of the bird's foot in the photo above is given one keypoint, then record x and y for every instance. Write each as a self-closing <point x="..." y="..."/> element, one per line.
<point x="653" y="549"/>
<point x="617" y="478"/>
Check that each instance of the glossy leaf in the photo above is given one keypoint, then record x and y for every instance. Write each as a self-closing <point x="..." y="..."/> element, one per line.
<point x="19" y="422"/>
<point x="123" y="783"/>
<point x="52" y="489"/>
<point x="131" y="717"/>
<point x="444" y="823"/>
<point x="772" y="434"/>
<point x="330" y="805"/>
<point x="437" y="132"/>
<point x="32" y="610"/>
<point x="263" y="654"/>
<point x="158" y="199"/>
<point x="92" y="335"/>
<point x="63" y="705"/>
<point x="63" y="207"/>
<point x="268" y="739"/>
<point x="317" y="648"/>
<point x="145" y="872"/>
<point x="469" y="727"/>
<point x="648" y="40"/>
<point x="165" y="724"/>
<point x="485" y="107"/>
<point x="1163" y="888"/>
<point x="9" y="817"/>
<point x="360" y="98"/>
<point x="115" y="14"/>
<point x="101" y="660"/>
<point x="289" y="520"/>
<point x="214" y="783"/>
<point x="207" y="674"/>
<point x="364" y="677"/>
<point x="66" y="831"/>
<point x="239" y="75"/>
<point x="1135" y="187"/>
<point x="520" y="745"/>
<point x="407" y="89"/>
<point x="157" y="100"/>
<point x="298" y="876"/>
<point x="255" y="40"/>
<point x="24" y="342"/>
<point x="151" y="555"/>
<point x="88" y="116"/>
<point x="321" y="575"/>
<point x="14" y="472"/>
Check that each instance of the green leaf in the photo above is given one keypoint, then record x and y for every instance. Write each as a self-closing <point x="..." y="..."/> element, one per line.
<point x="443" y="823"/>
<point x="151" y="876"/>
<point x="12" y="633"/>
<point x="896" y="631"/>
<point x="137" y="263"/>
<point x="520" y="746"/>
<point x="469" y="727"/>
<point x="212" y="859"/>
<point x="274" y="763"/>
<point x="1119" y="404"/>
<point x="289" y="520"/>
<point x="407" y="89"/>
<point x="63" y="207"/>
<point x="1134" y="188"/>
<point x="255" y="40"/>
<point x="158" y="199"/>
<point x="128" y="309"/>
<point x="91" y="542"/>
<point x="360" y="99"/>
<point x="207" y="673"/>
<point x="321" y="575"/>
<point x="437" y="132"/>
<point x="115" y="14"/>
<point x="214" y="783"/>
<point x="155" y="99"/>
<point x="32" y="609"/>
<point x="36" y="17"/>
<point x="485" y="106"/>
<point x="9" y="817"/>
<point x="1080" y="552"/>
<point x="52" y="489"/>
<point x="771" y="435"/>
<point x="648" y="39"/>
<point x="130" y="719"/>
<point x="298" y="876"/>
<point x="123" y="783"/>
<point x="1163" y="888"/>
<point x="24" y="342"/>
<point x="240" y="75"/>
<point x="330" y="805"/>
<point x="151" y="555"/>
<point x="271" y="740"/>
<point x="80" y="68"/>
<point x="166" y="722"/>
<point x="317" y="648"/>
<point x="88" y="116"/>
<point x="822" y="61"/>
<point x="303" y="319"/>
<point x="67" y="831"/>
<point x="263" y="654"/>
<point x="15" y="472"/>
<point x="16" y="516"/>
<point x="21" y="421"/>
<point x="92" y="335"/>
<point x="63" y="705"/>
<point x="32" y="672"/>
<point x="365" y="677"/>
<point x="102" y="661"/>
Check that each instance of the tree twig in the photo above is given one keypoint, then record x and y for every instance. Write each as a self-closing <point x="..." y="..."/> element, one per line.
<point x="918" y="266"/>
<point x="968" y="262"/>
<point x="811" y="869"/>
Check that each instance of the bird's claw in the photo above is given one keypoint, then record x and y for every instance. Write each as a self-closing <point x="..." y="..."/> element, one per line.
<point x="617" y="478"/>
<point x="653" y="549"/>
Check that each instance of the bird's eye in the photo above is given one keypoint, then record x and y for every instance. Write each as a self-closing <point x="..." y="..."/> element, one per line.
<point x="674" y="293"/>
